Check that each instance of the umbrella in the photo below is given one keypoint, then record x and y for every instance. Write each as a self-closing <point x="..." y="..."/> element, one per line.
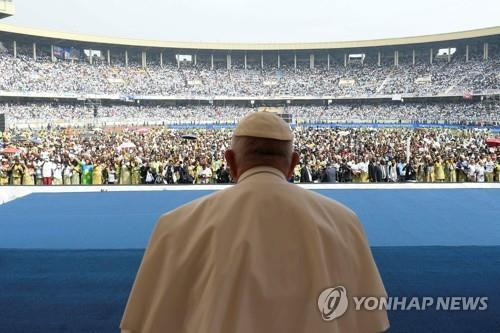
<point x="18" y="138"/>
<point x="493" y="142"/>
<point x="10" y="150"/>
<point x="36" y="140"/>
<point x="344" y="133"/>
<point x="142" y="130"/>
<point x="189" y="137"/>
<point x="126" y="145"/>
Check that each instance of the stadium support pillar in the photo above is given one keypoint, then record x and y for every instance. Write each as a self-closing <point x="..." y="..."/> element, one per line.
<point x="485" y="51"/>
<point x="195" y="59"/>
<point x="345" y="59"/>
<point x="396" y="58"/>
<point x="34" y="51"/>
<point x="379" y="60"/>
<point x="212" y="61"/>
<point x="430" y="56"/>
<point x="126" y="58"/>
<point x="109" y="57"/>
<point x="161" y="59"/>
<point x="228" y="61"/>
<point x="245" y="60"/>
<point x="143" y="59"/>
<point x="413" y="57"/>
<point x="449" y="54"/>
<point x="279" y="60"/>
<point x="178" y="61"/>
<point x="311" y="61"/>
<point x="467" y="53"/>
<point x="262" y="60"/>
<point x="53" y="58"/>
<point x="295" y="60"/>
<point x="14" y="49"/>
<point x="328" y="61"/>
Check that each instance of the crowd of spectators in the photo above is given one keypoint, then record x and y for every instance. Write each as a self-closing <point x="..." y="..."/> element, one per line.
<point x="449" y="113"/>
<point x="31" y="155"/>
<point x="52" y="113"/>
<point x="443" y="77"/>
<point x="23" y="73"/>
<point x="157" y="155"/>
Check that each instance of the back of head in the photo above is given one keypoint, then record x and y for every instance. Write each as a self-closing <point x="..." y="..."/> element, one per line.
<point x="251" y="152"/>
<point x="261" y="139"/>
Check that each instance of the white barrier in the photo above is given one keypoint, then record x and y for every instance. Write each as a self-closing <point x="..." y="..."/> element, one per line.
<point x="9" y="193"/>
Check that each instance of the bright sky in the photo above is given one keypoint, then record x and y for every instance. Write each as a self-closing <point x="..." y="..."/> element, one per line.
<point x="257" y="20"/>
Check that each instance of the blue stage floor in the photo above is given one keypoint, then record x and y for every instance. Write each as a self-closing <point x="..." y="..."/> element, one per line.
<point x="124" y="220"/>
<point x="67" y="261"/>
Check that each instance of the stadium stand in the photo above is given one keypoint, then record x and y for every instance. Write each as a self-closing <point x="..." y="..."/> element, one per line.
<point x="93" y="110"/>
<point x="24" y="74"/>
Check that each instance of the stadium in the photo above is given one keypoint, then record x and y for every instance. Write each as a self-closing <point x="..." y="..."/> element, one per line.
<point x="99" y="136"/>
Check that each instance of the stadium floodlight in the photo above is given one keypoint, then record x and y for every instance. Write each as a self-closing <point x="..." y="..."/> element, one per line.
<point x="7" y="8"/>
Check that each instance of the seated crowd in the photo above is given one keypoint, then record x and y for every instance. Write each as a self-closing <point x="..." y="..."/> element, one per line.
<point x="24" y="74"/>
<point x="444" y="113"/>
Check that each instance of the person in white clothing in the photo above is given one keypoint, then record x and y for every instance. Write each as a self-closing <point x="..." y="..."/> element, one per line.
<point x="472" y="171"/>
<point x="263" y="255"/>
<point x="205" y="175"/>
<point x="479" y="172"/>
<point x="393" y="172"/>
<point x="57" y="174"/>
<point x="47" y="171"/>
<point x="67" y="173"/>
<point x="489" y="168"/>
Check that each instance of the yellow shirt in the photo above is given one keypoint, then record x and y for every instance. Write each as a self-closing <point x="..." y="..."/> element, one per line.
<point x="17" y="171"/>
<point x="439" y="171"/>
<point x="97" y="174"/>
<point x="28" y="176"/>
<point x="254" y="258"/>
<point x="4" y="175"/>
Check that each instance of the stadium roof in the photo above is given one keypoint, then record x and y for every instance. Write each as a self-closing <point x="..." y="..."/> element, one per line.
<point x="7" y="8"/>
<point x="114" y="41"/>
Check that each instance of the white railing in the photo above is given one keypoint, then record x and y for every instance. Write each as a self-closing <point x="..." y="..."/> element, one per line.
<point x="9" y="193"/>
<point x="82" y="96"/>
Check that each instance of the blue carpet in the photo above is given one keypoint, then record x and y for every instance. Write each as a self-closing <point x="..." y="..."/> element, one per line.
<point x="67" y="261"/>
<point x="124" y="220"/>
<point x="86" y="291"/>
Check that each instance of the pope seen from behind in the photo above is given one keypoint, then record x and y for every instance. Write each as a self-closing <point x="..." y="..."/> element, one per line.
<point x="258" y="256"/>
